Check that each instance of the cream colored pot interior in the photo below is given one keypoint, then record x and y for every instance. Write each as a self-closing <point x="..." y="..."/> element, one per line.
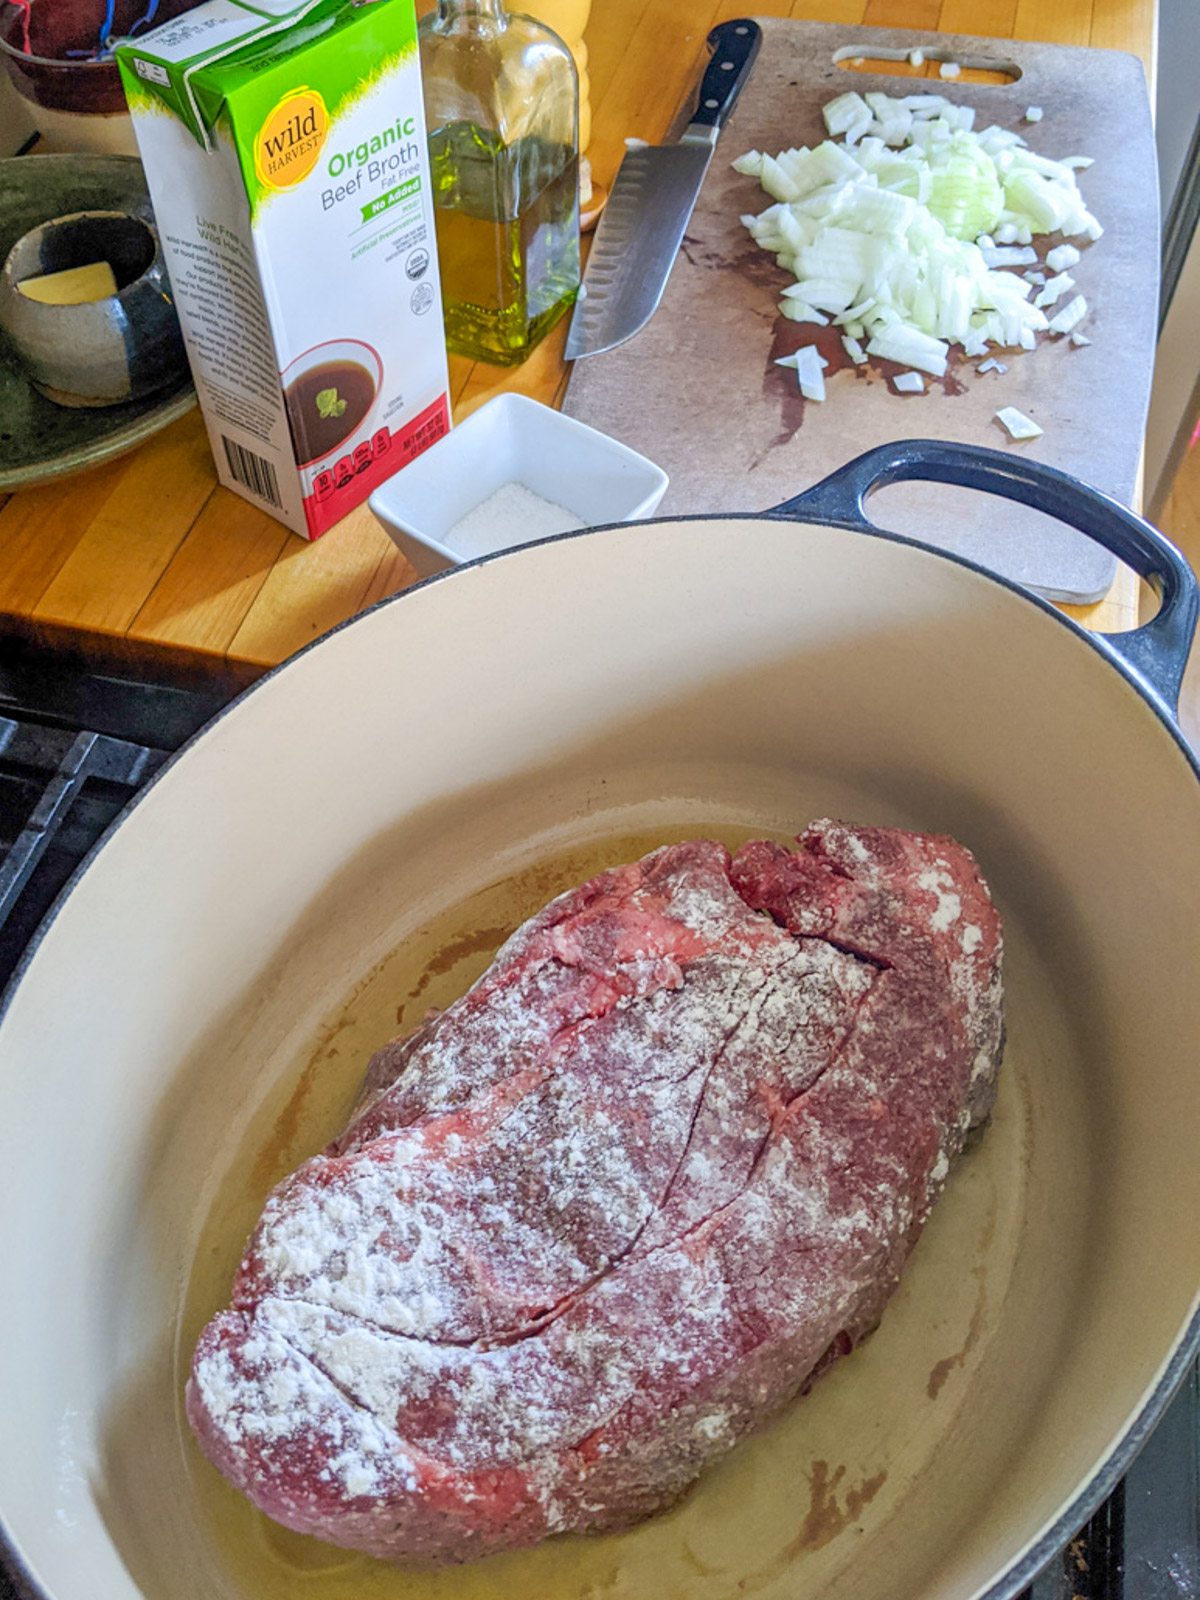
<point x="348" y="845"/>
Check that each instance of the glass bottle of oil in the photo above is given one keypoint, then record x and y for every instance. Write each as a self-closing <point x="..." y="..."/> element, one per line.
<point x="502" y="107"/>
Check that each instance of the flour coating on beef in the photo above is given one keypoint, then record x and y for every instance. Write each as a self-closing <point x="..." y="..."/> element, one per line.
<point x="618" y="1204"/>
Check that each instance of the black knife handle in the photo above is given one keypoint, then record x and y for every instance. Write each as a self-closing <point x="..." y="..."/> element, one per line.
<point x="734" y="47"/>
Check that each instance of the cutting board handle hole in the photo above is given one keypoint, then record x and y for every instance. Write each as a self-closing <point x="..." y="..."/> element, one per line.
<point x="927" y="63"/>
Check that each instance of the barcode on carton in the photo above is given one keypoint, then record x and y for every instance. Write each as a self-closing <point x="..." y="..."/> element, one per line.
<point x="252" y="472"/>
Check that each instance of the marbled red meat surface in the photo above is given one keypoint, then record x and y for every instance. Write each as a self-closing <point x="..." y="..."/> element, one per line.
<point x="618" y="1204"/>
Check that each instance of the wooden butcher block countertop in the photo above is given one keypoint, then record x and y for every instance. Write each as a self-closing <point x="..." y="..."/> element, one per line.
<point x="146" y="559"/>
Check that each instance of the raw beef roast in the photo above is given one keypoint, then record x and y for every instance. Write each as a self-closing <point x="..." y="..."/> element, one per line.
<point x="618" y="1204"/>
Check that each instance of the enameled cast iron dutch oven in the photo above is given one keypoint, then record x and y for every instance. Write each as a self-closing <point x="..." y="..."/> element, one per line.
<point x="192" y="1019"/>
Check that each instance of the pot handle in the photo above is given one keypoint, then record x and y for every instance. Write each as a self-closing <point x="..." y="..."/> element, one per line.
<point x="1157" y="653"/>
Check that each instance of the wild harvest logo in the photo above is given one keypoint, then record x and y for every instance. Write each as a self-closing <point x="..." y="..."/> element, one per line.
<point x="289" y="142"/>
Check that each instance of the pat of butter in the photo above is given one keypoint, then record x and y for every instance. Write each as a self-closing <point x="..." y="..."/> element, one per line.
<point x="74" y="287"/>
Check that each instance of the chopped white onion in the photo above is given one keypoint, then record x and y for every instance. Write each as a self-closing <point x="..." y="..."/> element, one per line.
<point x="1071" y="315"/>
<point x="1018" y="425"/>
<point x="882" y="232"/>
<point x="949" y="69"/>
<point x="844" y="111"/>
<point x="1079" y="339"/>
<point x="1054" y="290"/>
<point x="808" y="367"/>
<point x="1062" y="257"/>
<point x="797" y="311"/>
<point x="909" y="383"/>
<point x="809" y="370"/>
<point x="909" y="347"/>
<point x="1033" y="113"/>
<point x="992" y="365"/>
<point x="1009" y="256"/>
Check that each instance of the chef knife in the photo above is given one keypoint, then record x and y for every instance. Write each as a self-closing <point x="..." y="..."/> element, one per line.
<point x="642" y="226"/>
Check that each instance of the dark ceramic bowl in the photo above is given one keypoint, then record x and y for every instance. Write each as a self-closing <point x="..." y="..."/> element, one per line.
<point x="105" y="351"/>
<point x="49" y="51"/>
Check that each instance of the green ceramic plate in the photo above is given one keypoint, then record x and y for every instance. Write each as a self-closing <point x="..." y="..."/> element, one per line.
<point x="39" y="440"/>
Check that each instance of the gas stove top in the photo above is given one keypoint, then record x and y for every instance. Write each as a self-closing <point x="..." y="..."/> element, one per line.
<point x="77" y="745"/>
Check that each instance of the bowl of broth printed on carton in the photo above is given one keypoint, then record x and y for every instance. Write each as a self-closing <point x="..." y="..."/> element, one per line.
<point x="330" y="393"/>
<point x="285" y="149"/>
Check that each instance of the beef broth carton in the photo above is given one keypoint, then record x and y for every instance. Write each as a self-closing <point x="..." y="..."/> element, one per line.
<point x="285" y="151"/>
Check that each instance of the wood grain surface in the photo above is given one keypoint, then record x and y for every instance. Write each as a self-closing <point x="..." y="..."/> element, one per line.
<point x="147" y="559"/>
<point x="699" y="391"/>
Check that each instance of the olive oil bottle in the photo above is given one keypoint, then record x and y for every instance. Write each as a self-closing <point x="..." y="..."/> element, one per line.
<point x="502" y="107"/>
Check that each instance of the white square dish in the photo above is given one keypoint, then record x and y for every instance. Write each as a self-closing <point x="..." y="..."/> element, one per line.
<point x="511" y="440"/>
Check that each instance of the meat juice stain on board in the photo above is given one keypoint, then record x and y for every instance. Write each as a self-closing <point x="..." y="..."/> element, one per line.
<point x="781" y="387"/>
<point x="763" y="1521"/>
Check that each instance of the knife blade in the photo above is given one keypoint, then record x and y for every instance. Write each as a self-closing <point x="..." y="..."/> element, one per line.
<point x="642" y="226"/>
